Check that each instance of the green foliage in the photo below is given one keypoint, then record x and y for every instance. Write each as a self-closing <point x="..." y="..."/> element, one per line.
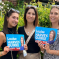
<point x="9" y="4"/>
<point x="1" y="23"/>
<point x="0" y="49"/>
<point x="51" y="0"/>
<point x="43" y="14"/>
<point x="33" y="0"/>
<point x="20" y="3"/>
<point x="6" y="5"/>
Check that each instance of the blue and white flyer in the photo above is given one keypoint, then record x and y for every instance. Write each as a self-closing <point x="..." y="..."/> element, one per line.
<point x="15" y="41"/>
<point x="45" y="35"/>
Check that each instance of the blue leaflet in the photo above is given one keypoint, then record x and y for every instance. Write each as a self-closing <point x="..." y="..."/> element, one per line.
<point x="45" y="34"/>
<point x="14" y="41"/>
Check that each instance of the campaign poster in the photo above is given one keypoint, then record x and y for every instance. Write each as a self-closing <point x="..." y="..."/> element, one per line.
<point x="45" y="35"/>
<point x="15" y="41"/>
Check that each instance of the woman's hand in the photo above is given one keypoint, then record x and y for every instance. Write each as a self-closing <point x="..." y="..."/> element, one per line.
<point x="47" y="48"/>
<point x="6" y="50"/>
<point x="26" y="47"/>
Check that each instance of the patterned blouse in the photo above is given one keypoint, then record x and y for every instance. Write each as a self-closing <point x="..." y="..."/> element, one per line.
<point x="54" y="46"/>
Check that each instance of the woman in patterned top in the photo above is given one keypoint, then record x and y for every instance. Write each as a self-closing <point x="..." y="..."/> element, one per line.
<point x="52" y="51"/>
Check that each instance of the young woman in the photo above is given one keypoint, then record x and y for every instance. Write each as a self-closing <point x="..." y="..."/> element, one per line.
<point x="52" y="51"/>
<point x="10" y="25"/>
<point x="31" y="21"/>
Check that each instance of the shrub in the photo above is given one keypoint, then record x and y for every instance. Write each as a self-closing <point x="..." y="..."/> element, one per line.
<point x="43" y="15"/>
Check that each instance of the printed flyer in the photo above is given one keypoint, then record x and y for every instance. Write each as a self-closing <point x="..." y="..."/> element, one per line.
<point x="15" y="41"/>
<point x="45" y="35"/>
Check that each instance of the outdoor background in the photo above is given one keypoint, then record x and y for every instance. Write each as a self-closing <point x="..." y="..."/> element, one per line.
<point x="43" y="9"/>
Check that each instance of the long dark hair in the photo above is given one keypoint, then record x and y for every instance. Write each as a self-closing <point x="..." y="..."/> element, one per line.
<point x="5" y="26"/>
<point x="36" y="14"/>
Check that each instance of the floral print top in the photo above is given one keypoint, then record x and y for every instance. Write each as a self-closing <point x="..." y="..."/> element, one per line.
<point x="54" y="46"/>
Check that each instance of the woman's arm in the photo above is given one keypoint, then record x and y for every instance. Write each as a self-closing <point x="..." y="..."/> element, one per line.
<point x="2" y="53"/>
<point x="2" y="40"/>
<point x="54" y="52"/>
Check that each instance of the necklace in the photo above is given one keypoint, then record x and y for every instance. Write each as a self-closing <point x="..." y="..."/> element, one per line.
<point x="28" y="32"/>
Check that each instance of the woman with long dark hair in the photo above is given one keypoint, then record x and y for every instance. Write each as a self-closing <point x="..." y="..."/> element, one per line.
<point x="31" y="21"/>
<point x="10" y="26"/>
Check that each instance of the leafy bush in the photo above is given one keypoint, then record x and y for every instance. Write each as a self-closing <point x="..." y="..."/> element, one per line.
<point x="1" y="23"/>
<point x="43" y="15"/>
<point x="6" y="5"/>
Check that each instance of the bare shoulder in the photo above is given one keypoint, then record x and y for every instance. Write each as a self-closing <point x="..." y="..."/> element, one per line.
<point x="2" y="36"/>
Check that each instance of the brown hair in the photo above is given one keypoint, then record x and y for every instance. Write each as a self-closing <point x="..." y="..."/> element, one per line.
<point x="36" y="14"/>
<point x="5" y="26"/>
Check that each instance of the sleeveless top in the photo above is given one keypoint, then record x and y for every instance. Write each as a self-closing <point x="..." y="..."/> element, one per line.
<point x="8" y="55"/>
<point x="54" y="46"/>
<point x="32" y="46"/>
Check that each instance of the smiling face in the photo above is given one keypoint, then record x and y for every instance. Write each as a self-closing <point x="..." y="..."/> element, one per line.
<point x="30" y="16"/>
<point x="13" y="20"/>
<point x="54" y="15"/>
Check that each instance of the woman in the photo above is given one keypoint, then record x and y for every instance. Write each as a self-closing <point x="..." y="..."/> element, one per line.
<point x="51" y="37"/>
<point x="52" y="51"/>
<point x="31" y="21"/>
<point x="10" y="25"/>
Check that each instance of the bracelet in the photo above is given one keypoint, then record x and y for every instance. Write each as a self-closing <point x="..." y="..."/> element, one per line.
<point x="42" y="51"/>
<point x="1" y="53"/>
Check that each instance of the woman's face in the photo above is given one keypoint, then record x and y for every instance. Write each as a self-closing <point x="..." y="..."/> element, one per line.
<point x="51" y="35"/>
<point x="13" y="20"/>
<point x="54" y="15"/>
<point x="30" y="16"/>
